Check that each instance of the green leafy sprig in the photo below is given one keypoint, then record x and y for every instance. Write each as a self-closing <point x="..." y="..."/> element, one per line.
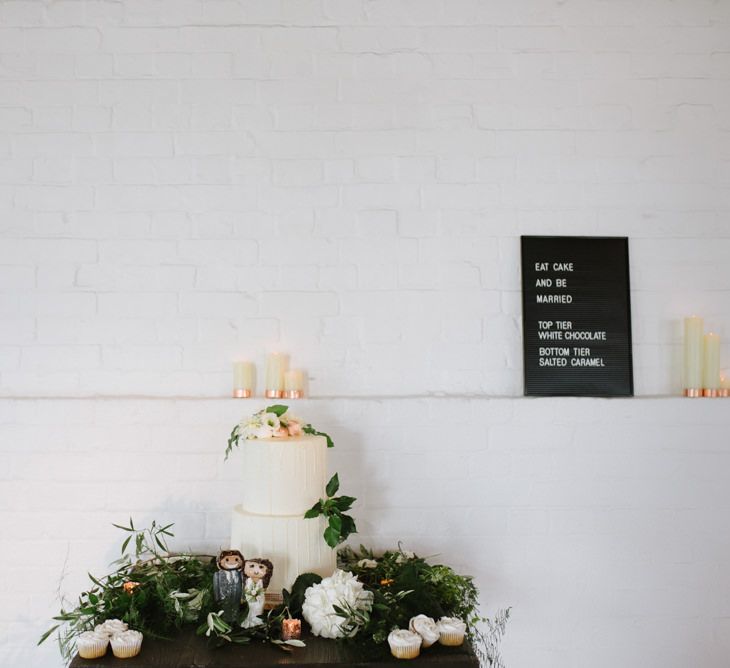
<point x="339" y="525"/>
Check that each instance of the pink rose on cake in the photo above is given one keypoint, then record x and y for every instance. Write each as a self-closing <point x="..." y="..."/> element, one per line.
<point x="294" y="427"/>
<point x="266" y="424"/>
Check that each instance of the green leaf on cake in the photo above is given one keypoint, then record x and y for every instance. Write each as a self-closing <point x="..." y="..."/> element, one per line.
<point x="277" y="409"/>
<point x="232" y="440"/>
<point x="339" y="525"/>
<point x="314" y="511"/>
<point x="309" y="429"/>
<point x="331" y="537"/>
<point x="348" y="526"/>
<point x="336" y="523"/>
<point x="333" y="485"/>
<point x="344" y="503"/>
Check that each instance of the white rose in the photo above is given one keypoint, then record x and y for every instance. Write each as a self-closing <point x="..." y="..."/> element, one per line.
<point x="367" y="563"/>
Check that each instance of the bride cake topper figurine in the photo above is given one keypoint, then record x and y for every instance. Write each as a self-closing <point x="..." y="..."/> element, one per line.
<point x="228" y="584"/>
<point x="257" y="573"/>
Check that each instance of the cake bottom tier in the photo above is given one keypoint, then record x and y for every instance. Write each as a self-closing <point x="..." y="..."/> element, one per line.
<point x="294" y="545"/>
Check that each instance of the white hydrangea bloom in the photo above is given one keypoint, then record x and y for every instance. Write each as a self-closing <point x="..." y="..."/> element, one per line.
<point x="342" y="589"/>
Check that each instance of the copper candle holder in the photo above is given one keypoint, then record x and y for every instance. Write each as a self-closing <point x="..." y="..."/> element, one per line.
<point x="692" y="392"/>
<point x="130" y="586"/>
<point x="293" y="394"/>
<point x="274" y="394"/>
<point x="291" y="629"/>
<point x="241" y="393"/>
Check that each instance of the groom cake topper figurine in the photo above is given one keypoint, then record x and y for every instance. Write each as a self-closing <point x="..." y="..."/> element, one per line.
<point x="228" y="584"/>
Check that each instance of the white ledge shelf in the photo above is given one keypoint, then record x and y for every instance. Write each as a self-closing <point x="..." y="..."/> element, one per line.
<point x="341" y="397"/>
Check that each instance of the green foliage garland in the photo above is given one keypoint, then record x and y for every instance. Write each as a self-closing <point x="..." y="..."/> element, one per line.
<point x="163" y="593"/>
<point x="405" y="585"/>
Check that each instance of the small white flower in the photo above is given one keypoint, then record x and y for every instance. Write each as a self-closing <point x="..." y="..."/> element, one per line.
<point x="271" y="420"/>
<point x="405" y="555"/>
<point x="367" y="563"/>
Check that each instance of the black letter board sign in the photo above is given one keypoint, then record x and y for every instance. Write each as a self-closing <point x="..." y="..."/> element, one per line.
<point x="576" y="316"/>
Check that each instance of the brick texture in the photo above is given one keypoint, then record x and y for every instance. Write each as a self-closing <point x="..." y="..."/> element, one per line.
<point x="183" y="182"/>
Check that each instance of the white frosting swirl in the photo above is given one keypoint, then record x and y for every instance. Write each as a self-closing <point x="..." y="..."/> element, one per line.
<point x="92" y="636"/>
<point x="451" y="625"/>
<point x="111" y="627"/>
<point x="425" y="627"/>
<point x="129" y="636"/>
<point x="403" y="638"/>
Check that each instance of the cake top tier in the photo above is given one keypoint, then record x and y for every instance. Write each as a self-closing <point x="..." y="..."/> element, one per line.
<point x="273" y="422"/>
<point x="282" y="476"/>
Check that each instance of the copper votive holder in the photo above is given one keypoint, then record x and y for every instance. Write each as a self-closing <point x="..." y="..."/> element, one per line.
<point x="130" y="586"/>
<point x="692" y="392"/>
<point x="724" y="392"/>
<point x="294" y="394"/>
<point x="710" y="393"/>
<point x="240" y="393"/>
<point x="291" y="629"/>
<point x="274" y="394"/>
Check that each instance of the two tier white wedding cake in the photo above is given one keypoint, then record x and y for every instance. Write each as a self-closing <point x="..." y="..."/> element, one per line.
<point x="284" y="474"/>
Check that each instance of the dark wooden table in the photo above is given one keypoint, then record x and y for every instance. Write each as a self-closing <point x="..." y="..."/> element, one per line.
<point x="191" y="651"/>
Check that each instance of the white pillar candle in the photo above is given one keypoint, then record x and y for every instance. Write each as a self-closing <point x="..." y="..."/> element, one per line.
<point x="244" y="379"/>
<point x="693" y="344"/>
<point x="276" y="366"/>
<point x="711" y="372"/>
<point x="294" y="384"/>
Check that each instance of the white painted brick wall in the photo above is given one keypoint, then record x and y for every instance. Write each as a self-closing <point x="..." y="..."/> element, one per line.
<point x="293" y="170"/>
<point x="602" y="522"/>
<point x="187" y="181"/>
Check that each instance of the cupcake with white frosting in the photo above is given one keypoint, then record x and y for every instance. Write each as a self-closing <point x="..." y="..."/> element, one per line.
<point x="451" y="631"/>
<point x="425" y="627"/>
<point x="404" y="644"/>
<point x="92" y="644"/>
<point x="111" y="627"/>
<point x="126" y="644"/>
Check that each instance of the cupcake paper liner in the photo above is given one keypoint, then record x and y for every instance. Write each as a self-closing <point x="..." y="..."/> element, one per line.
<point x="92" y="648"/>
<point x="405" y="652"/>
<point x="126" y="646"/>
<point x="451" y="639"/>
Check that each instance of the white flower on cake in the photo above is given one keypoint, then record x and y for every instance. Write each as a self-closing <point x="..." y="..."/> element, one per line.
<point x="342" y="589"/>
<point x="265" y="424"/>
<point x="367" y="563"/>
<point x="272" y="422"/>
